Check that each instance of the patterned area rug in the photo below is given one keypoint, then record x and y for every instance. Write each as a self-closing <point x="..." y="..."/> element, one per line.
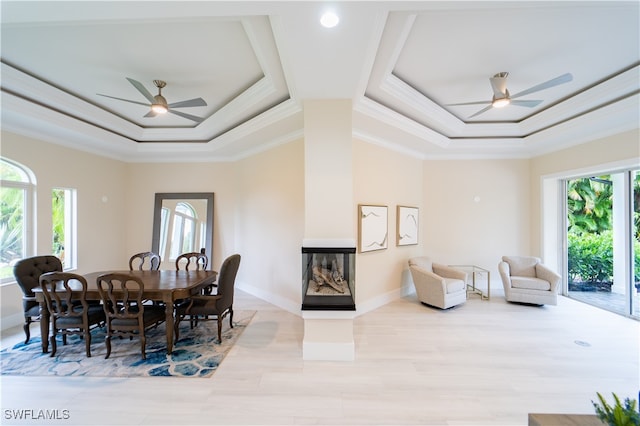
<point x="196" y="354"/>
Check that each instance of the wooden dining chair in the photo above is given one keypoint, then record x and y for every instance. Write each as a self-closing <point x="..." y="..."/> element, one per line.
<point x="70" y="313"/>
<point x="197" y="261"/>
<point x="214" y="306"/>
<point x="125" y="313"/>
<point x="145" y="261"/>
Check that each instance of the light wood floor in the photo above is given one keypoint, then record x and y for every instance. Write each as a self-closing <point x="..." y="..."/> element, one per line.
<point x="483" y="363"/>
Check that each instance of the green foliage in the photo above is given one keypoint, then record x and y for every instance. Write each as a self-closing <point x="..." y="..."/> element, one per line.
<point x="590" y="243"/>
<point x="618" y="415"/>
<point x="11" y="224"/>
<point x="589" y="201"/>
<point x="58" y="219"/>
<point x="590" y="257"/>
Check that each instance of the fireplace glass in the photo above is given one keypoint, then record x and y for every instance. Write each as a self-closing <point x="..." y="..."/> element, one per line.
<point x="328" y="279"/>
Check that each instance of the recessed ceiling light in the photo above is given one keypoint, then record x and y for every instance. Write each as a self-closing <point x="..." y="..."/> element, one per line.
<point x="329" y="20"/>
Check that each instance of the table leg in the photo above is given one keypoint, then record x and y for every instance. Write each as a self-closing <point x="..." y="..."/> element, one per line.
<point x="168" y="303"/>
<point x="44" y="327"/>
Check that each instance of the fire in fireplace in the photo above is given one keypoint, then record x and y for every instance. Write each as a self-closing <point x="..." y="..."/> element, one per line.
<point x="328" y="278"/>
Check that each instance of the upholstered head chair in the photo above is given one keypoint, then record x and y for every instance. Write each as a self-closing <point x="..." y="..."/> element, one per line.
<point x="27" y="273"/>
<point x="217" y="305"/>
<point x="437" y="284"/>
<point x="526" y="280"/>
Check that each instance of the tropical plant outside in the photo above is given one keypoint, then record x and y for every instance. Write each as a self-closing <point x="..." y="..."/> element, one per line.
<point x="58" y="219"/>
<point x="11" y="228"/>
<point x="590" y="237"/>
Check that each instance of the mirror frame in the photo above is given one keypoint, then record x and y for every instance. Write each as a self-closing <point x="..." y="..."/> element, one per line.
<point x="157" y="209"/>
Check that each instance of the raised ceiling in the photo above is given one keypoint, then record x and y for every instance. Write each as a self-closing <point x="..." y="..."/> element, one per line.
<point x="255" y="63"/>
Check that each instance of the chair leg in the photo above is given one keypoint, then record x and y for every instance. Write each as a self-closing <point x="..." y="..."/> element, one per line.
<point x="219" y="329"/>
<point x="52" y="340"/>
<point x="27" y="332"/>
<point x="143" y="344"/>
<point x="87" y="342"/>
<point x="176" y="326"/>
<point x="231" y="317"/>
<point x="107" y="341"/>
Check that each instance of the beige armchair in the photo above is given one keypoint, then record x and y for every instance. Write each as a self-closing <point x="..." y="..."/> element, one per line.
<point x="436" y="284"/>
<point x="526" y="280"/>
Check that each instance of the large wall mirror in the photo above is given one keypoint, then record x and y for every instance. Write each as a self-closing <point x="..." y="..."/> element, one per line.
<point x="182" y="222"/>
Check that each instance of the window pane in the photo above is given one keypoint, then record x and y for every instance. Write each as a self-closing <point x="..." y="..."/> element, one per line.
<point x="10" y="172"/>
<point x="63" y="214"/>
<point x="176" y="240"/>
<point x="12" y="229"/>
<point x="58" y="221"/>
<point x="188" y="235"/>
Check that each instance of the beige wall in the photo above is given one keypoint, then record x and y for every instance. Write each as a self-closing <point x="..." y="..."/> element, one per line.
<point x="147" y="179"/>
<point x="476" y="211"/>
<point x="270" y="224"/>
<point x="54" y="166"/>
<point x="383" y="177"/>
<point x="260" y="202"/>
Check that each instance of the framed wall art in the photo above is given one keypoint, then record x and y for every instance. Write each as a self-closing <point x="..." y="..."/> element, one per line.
<point x="407" y="219"/>
<point x="372" y="228"/>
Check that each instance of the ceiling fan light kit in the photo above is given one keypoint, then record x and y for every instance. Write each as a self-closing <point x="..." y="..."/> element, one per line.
<point x="160" y="106"/>
<point x="501" y="102"/>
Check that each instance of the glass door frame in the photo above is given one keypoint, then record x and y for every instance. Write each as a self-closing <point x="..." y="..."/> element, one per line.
<point x="623" y="257"/>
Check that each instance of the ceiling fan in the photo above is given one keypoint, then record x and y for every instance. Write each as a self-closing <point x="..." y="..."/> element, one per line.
<point x="159" y="104"/>
<point x="502" y="97"/>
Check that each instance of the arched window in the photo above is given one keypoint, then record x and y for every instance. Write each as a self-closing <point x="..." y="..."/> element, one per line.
<point x="17" y="188"/>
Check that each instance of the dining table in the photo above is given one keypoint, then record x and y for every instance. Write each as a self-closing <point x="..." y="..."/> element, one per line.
<point x="165" y="286"/>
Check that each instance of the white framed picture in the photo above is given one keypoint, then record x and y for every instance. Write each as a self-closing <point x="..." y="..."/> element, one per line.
<point x="372" y="227"/>
<point x="407" y="219"/>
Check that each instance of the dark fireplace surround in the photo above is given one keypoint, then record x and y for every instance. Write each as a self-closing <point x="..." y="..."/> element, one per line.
<point x="328" y="278"/>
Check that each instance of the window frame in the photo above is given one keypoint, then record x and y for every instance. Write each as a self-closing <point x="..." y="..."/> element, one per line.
<point x="70" y="259"/>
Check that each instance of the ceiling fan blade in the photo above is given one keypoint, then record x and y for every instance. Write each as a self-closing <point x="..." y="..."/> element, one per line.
<point x="483" y="110"/>
<point x="190" y="103"/>
<point x="151" y="114"/>
<point x="564" y="78"/>
<point x="187" y="116"/>
<point x="471" y="103"/>
<point x="499" y="84"/>
<point x="527" y="103"/>
<point x="141" y="89"/>
<point x="121" y="99"/>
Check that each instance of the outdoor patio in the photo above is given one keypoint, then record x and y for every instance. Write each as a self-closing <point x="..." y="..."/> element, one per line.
<point x="614" y="302"/>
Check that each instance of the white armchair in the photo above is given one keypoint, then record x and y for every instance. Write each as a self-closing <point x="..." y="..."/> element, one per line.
<point x="436" y="284"/>
<point x="526" y="280"/>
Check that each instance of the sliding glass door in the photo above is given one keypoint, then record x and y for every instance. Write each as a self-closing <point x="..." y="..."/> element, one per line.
<point x="603" y="240"/>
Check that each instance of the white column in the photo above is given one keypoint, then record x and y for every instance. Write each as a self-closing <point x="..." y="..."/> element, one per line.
<point x="329" y="215"/>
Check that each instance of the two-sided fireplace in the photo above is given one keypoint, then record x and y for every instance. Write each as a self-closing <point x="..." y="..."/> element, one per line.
<point x="328" y="278"/>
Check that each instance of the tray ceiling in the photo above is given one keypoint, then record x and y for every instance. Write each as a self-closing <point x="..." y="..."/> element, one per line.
<point x="255" y="63"/>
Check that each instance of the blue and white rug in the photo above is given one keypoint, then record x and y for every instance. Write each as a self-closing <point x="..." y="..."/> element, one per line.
<point x="196" y="354"/>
